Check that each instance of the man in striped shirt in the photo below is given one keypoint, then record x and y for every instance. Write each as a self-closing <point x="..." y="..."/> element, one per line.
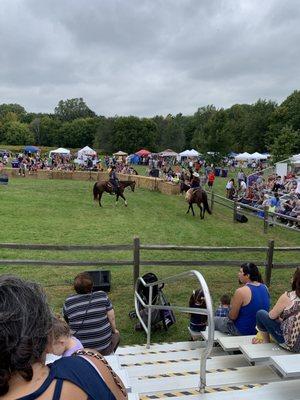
<point x="91" y="316"/>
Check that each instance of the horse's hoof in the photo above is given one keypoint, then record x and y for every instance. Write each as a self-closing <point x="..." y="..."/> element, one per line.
<point x="126" y="204"/>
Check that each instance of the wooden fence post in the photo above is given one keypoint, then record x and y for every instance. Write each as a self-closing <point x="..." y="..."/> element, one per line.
<point x="212" y="199"/>
<point x="136" y="259"/>
<point x="234" y="211"/>
<point x="266" y="219"/>
<point x="269" y="262"/>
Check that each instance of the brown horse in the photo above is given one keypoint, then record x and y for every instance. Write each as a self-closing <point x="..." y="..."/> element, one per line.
<point x="107" y="187"/>
<point x="198" y="196"/>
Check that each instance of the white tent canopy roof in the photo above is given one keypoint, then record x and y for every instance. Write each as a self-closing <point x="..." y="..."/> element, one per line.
<point x="120" y="153"/>
<point x="189" y="153"/>
<point x="258" y="156"/>
<point x="243" y="156"/>
<point x="60" y="150"/>
<point x="168" y="153"/>
<point x="295" y="159"/>
<point x="86" y="151"/>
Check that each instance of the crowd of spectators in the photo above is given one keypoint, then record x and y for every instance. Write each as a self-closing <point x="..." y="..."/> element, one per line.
<point x="278" y="194"/>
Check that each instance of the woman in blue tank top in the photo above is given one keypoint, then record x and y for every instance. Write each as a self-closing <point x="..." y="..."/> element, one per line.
<point x="245" y="303"/>
<point x="25" y="324"/>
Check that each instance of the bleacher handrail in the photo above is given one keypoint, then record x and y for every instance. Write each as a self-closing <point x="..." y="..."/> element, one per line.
<point x="208" y="311"/>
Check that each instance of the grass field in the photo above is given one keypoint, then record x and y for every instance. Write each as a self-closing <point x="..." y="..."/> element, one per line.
<point x="63" y="212"/>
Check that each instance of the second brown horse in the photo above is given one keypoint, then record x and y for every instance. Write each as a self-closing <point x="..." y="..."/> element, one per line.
<point x="198" y="196"/>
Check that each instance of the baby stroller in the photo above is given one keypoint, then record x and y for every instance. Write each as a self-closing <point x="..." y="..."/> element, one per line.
<point x="159" y="318"/>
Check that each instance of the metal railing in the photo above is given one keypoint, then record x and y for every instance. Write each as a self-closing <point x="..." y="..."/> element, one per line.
<point x="208" y="311"/>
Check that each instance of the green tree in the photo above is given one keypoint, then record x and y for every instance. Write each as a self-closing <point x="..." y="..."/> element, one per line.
<point x="17" y="133"/>
<point x="286" y="144"/>
<point x="211" y="136"/>
<point x="104" y="135"/>
<point x="78" y="133"/>
<point x="12" y="108"/>
<point x="71" y="109"/>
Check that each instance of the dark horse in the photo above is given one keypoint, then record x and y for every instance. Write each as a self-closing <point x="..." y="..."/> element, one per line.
<point x="199" y="197"/>
<point x="107" y="187"/>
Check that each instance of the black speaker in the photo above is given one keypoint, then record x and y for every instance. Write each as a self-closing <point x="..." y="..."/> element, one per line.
<point x="101" y="280"/>
<point x="241" y="218"/>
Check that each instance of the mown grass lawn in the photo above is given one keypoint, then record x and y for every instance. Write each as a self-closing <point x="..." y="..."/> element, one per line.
<point x="63" y="212"/>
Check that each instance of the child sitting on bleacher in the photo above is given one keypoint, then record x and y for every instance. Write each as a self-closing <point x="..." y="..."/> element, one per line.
<point x="223" y="309"/>
<point x="198" y="322"/>
<point x="63" y="343"/>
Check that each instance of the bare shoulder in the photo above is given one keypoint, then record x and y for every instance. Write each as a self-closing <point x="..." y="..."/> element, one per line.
<point x="71" y="391"/>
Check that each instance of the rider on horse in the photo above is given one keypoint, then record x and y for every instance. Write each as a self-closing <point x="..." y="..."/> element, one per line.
<point x="195" y="184"/>
<point x="113" y="179"/>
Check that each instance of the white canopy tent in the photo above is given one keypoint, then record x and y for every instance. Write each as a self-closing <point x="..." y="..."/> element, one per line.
<point x="243" y="157"/>
<point x="258" y="156"/>
<point x="61" y="151"/>
<point x="168" y="153"/>
<point x="189" y="153"/>
<point x="86" y="152"/>
<point x="296" y="159"/>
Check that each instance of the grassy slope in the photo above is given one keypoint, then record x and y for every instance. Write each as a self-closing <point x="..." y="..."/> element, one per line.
<point x="44" y="211"/>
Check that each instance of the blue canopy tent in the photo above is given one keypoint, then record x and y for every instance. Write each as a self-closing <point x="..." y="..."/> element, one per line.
<point x="31" y="149"/>
<point x="134" y="159"/>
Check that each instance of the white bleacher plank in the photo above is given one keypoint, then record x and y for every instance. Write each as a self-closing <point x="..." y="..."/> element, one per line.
<point x="232" y="343"/>
<point x="212" y="363"/>
<point x="122" y="374"/>
<point x="288" y="365"/>
<point x="245" y="375"/>
<point x="262" y="352"/>
<point x="113" y="361"/>
<point x="287" y="390"/>
<point x="137" y="349"/>
<point x="177" y="355"/>
<point x="217" y="335"/>
<point x="133" y="396"/>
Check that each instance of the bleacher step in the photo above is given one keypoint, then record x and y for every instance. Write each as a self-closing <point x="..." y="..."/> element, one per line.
<point x="157" y="347"/>
<point x="287" y="390"/>
<point x="165" y="357"/>
<point x="239" y="376"/>
<point x="181" y="367"/>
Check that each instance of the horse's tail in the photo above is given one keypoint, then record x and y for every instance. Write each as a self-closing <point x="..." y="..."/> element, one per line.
<point x="95" y="192"/>
<point x="205" y="203"/>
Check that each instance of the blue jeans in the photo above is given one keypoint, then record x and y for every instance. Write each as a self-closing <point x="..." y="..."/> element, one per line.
<point x="265" y="324"/>
<point x="225" y="325"/>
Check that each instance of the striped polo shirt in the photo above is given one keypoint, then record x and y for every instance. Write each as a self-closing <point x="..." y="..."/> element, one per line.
<point x="95" y="332"/>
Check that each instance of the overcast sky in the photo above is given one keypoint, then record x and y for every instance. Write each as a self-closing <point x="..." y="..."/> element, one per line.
<point x="136" y="57"/>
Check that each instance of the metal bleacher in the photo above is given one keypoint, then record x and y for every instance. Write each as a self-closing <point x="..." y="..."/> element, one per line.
<point x="173" y="370"/>
<point x="161" y="371"/>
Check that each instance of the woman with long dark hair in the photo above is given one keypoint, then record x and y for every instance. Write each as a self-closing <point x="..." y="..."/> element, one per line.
<point x="283" y="321"/>
<point x="25" y="325"/>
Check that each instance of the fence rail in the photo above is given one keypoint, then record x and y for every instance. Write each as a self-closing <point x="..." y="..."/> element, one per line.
<point x="136" y="261"/>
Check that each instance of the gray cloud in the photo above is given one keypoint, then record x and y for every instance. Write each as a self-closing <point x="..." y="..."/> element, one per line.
<point x="149" y="57"/>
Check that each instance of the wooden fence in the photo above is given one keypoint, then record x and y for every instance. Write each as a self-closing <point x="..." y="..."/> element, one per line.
<point x="136" y="262"/>
<point x="268" y="218"/>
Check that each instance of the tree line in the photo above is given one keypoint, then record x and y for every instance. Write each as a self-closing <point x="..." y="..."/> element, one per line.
<point x="263" y="126"/>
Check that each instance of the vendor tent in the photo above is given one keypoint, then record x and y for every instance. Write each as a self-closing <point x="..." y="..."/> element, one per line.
<point x="243" y="157"/>
<point x="86" y="152"/>
<point x="296" y="158"/>
<point x="31" y="149"/>
<point x="143" y="153"/>
<point x="189" y="153"/>
<point x="120" y="153"/>
<point x="258" y="156"/>
<point x="61" y="151"/>
<point x="168" y="153"/>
